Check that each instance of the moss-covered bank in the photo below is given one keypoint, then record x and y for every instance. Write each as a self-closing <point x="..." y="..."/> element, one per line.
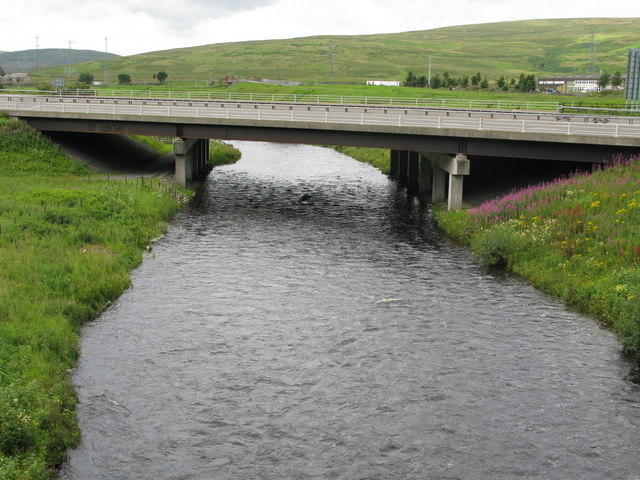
<point x="67" y="244"/>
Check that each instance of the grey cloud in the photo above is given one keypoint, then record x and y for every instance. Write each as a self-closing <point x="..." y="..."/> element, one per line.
<point x="181" y="15"/>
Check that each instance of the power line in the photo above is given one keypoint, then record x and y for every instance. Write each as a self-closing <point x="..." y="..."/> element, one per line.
<point x="330" y="60"/>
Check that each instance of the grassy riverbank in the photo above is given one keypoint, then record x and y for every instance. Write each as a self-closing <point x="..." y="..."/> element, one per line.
<point x="577" y="238"/>
<point x="67" y="243"/>
<point x="220" y="152"/>
<point x="377" y="157"/>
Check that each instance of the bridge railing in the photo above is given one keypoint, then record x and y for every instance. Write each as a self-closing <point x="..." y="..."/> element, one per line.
<point x="306" y="99"/>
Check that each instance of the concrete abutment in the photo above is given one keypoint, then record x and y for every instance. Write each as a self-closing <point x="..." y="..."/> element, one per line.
<point x="427" y="173"/>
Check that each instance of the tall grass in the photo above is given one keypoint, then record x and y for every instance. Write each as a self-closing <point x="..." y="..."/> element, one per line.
<point x="577" y="237"/>
<point x="66" y="247"/>
<point x="222" y="153"/>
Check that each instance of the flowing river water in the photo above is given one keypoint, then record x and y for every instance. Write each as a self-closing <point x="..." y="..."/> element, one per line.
<point x="303" y="320"/>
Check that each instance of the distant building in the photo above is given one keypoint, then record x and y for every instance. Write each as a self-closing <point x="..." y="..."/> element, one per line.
<point x="229" y="80"/>
<point x="571" y="83"/>
<point x="384" y="83"/>
<point x="15" y="78"/>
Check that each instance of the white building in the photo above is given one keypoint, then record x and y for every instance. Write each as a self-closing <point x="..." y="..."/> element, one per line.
<point x="384" y="83"/>
<point x="571" y="83"/>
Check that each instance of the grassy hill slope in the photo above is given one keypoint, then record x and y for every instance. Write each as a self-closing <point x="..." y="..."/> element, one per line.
<point x="505" y="48"/>
<point x="25" y="60"/>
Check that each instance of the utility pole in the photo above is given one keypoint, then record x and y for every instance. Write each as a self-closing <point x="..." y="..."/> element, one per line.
<point x="592" y="52"/>
<point x="37" y="52"/>
<point x="106" y="63"/>
<point x="330" y="61"/>
<point x="429" y="77"/>
<point x="70" y="70"/>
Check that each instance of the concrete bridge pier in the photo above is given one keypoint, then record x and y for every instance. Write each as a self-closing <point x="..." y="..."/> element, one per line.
<point x="192" y="159"/>
<point x="413" y="169"/>
<point x="457" y="167"/>
<point x="425" y="177"/>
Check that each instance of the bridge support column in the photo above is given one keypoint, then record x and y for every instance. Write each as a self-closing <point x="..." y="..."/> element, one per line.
<point x="439" y="185"/>
<point x="457" y="167"/>
<point x="425" y="180"/>
<point x="394" y="163"/>
<point x="192" y="157"/>
<point x="202" y="160"/>
<point x="403" y="167"/>
<point x="413" y="166"/>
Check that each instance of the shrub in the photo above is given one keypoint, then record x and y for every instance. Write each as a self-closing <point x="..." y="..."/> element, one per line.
<point x="497" y="246"/>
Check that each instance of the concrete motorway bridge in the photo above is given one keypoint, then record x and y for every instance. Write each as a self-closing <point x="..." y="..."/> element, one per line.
<point x="428" y="144"/>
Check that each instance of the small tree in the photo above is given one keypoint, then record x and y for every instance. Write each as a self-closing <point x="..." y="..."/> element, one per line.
<point x="616" y="81"/>
<point x="446" y="80"/>
<point x="501" y="83"/>
<point x="85" y="78"/>
<point x="161" y="76"/>
<point x="526" y="83"/>
<point x="421" y="81"/>
<point x="604" y="80"/>
<point x="436" y="82"/>
<point x="476" y="79"/>
<point x="124" y="79"/>
<point x="410" y="81"/>
<point x="2" y="74"/>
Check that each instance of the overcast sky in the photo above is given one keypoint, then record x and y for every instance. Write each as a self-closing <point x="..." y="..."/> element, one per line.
<point x="139" y="26"/>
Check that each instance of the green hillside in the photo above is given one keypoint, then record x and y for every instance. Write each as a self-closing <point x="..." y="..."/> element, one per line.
<point x="30" y="60"/>
<point x="507" y="48"/>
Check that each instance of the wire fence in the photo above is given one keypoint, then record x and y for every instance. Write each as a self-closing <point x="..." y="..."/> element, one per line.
<point x="153" y="183"/>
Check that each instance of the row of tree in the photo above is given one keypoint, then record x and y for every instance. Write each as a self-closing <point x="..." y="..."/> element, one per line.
<point x="123" y="78"/>
<point x="526" y="83"/>
<point x="606" y="79"/>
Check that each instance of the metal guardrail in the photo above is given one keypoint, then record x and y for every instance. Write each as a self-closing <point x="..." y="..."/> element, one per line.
<point x="312" y="99"/>
<point x="488" y="120"/>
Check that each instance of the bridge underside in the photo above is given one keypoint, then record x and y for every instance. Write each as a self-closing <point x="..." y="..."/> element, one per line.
<point x="492" y="147"/>
<point x="422" y="161"/>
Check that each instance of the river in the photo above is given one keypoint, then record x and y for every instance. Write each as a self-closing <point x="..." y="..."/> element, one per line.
<point x="303" y="320"/>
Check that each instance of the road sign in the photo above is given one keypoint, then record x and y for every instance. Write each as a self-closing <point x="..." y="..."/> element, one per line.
<point x="632" y="86"/>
